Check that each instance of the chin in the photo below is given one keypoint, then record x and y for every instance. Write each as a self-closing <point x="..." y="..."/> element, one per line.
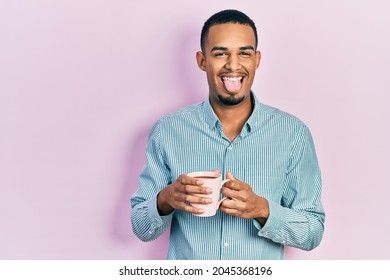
<point x="231" y="99"/>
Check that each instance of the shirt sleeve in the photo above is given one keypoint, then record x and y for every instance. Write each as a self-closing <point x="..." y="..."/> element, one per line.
<point x="298" y="221"/>
<point x="147" y="224"/>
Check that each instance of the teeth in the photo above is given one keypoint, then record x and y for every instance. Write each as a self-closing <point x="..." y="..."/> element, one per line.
<point x="232" y="79"/>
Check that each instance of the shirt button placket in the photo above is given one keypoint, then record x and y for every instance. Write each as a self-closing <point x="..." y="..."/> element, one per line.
<point x="225" y="244"/>
<point x="228" y="158"/>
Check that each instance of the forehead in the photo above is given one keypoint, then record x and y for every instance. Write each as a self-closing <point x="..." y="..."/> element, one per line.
<point x="230" y="35"/>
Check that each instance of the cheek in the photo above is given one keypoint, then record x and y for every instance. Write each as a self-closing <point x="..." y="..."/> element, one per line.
<point x="251" y="70"/>
<point x="251" y="66"/>
<point x="214" y="66"/>
<point x="212" y="80"/>
<point x="212" y="76"/>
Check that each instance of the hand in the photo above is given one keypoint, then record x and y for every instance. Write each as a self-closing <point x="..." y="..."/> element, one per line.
<point x="242" y="201"/>
<point x="179" y="193"/>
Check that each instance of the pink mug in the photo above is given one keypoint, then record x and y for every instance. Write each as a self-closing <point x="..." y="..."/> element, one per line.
<point x="214" y="181"/>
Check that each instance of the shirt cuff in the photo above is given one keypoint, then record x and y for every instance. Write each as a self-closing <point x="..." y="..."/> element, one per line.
<point x="155" y="216"/>
<point x="274" y="223"/>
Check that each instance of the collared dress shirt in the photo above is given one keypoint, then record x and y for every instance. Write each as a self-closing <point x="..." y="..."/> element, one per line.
<point x="274" y="154"/>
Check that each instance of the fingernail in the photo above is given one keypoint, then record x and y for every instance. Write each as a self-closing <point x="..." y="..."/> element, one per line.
<point x="209" y="190"/>
<point x="199" y="182"/>
<point x="208" y="200"/>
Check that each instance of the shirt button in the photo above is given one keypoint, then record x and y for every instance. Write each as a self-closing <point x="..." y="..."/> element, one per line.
<point x="230" y="148"/>
<point x="226" y="244"/>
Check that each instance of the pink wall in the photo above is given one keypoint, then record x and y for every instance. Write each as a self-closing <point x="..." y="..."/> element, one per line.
<point x="81" y="83"/>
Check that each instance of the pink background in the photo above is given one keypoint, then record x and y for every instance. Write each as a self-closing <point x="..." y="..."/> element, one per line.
<point x="82" y="82"/>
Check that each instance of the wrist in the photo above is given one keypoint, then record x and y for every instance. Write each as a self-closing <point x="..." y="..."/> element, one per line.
<point x="163" y="207"/>
<point x="263" y="211"/>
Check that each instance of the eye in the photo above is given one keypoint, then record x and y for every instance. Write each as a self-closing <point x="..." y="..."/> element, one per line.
<point x="220" y="54"/>
<point x="245" y="54"/>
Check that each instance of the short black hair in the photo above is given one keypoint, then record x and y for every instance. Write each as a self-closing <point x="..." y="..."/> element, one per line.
<point x="226" y="16"/>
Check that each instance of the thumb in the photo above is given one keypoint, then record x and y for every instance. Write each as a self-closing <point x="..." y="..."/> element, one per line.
<point x="229" y="176"/>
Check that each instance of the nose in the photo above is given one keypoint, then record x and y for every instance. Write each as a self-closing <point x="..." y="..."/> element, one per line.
<point x="233" y="63"/>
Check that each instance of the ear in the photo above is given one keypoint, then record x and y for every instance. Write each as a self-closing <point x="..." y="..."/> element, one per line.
<point x="258" y="58"/>
<point x="201" y="59"/>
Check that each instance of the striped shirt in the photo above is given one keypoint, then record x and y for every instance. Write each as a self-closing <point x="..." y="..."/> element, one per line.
<point x="274" y="154"/>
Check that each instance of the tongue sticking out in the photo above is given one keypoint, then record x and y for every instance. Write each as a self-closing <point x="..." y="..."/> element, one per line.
<point x="232" y="86"/>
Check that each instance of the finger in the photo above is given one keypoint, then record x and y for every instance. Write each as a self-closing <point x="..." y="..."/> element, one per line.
<point x="230" y="211"/>
<point x="230" y="193"/>
<point x="237" y="213"/>
<point x="235" y="184"/>
<point x="188" y="208"/>
<point x="196" y="199"/>
<point x="233" y="204"/>
<point x="187" y="180"/>
<point x="239" y="195"/>
<point x="190" y="189"/>
<point x="229" y="176"/>
<point x="200" y="200"/>
<point x="232" y="183"/>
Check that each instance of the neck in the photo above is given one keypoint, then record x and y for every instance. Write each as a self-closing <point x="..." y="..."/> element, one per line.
<point x="233" y="117"/>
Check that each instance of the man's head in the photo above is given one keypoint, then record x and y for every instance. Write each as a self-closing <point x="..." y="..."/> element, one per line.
<point x="229" y="57"/>
<point x="226" y="16"/>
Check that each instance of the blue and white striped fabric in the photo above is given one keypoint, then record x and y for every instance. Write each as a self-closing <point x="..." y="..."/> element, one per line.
<point x="274" y="154"/>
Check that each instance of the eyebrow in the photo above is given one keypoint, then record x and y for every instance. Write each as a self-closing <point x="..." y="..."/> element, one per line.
<point x="218" y="48"/>
<point x="247" y="48"/>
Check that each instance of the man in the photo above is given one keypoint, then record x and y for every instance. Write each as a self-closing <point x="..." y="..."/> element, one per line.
<point x="275" y="187"/>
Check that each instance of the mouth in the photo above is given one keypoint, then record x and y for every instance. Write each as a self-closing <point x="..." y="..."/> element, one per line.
<point x="232" y="84"/>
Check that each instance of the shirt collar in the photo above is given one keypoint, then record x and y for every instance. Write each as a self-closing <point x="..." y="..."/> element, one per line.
<point x="211" y="117"/>
<point x="254" y="119"/>
<point x="251" y="124"/>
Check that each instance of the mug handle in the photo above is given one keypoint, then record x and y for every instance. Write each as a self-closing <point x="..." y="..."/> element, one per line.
<point x="223" y="182"/>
